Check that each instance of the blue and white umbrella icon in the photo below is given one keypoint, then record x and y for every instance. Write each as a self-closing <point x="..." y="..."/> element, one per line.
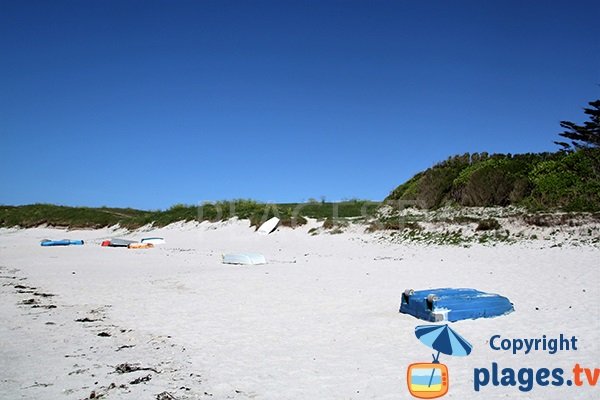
<point x="443" y="339"/>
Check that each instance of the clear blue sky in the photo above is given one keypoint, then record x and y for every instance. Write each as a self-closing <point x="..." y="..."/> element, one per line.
<point x="151" y="103"/>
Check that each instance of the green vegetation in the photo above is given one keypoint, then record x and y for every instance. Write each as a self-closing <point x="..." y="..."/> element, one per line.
<point x="335" y="225"/>
<point x="291" y="214"/>
<point x="567" y="181"/>
<point x="74" y="217"/>
<point x="344" y="209"/>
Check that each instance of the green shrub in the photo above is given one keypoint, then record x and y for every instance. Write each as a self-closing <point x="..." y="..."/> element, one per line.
<point x="493" y="182"/>
<point x="540" y="181"/>
<point x="571" y="182"/>
<point x="488" y="224"/>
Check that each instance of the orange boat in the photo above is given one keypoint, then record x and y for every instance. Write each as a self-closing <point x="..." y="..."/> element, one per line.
<point x="140" y="245"/>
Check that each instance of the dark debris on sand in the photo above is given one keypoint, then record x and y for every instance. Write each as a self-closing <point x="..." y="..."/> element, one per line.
<point x="141" y="379"/>
<point x="86" y="319"/>
<point x="165" y="396"/>
<point x="103" y="392"/>
<point x="49" y="306"/>
<point x="44" y="294"/>
<point x="24" y="287"/>
<point x="126" y="368"/>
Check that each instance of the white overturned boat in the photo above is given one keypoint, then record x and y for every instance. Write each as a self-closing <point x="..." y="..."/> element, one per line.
<point x="118" y="242"/>
<point x="268" y="226"/>
<point x="244" y="259"/>
<point x="153" y="240"/>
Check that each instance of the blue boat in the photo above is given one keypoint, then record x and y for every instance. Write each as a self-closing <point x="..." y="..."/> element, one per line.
<point x="452" y="305"/>
<point x="64" y="242"/>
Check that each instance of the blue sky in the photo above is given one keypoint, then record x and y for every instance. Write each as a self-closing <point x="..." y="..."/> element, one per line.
<point x="151" y="103"/>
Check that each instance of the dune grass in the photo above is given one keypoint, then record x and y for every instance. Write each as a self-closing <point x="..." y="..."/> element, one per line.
<point x="291" y="214"/>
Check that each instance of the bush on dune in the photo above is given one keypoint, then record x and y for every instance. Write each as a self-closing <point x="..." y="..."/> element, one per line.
<point x="563" y="180"/>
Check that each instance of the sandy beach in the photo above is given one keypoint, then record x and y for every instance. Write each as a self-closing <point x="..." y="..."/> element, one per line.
<point x="319" y="321"/>
<point x="299" y="200"/>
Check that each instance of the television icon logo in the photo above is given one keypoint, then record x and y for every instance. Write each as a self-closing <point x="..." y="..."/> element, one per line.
<point x="427" y="380"/>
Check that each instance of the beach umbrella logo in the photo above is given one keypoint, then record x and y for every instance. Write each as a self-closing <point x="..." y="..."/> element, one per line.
<point x="430" y="380"/>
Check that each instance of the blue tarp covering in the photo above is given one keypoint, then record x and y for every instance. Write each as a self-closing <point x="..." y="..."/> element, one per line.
<point x="453" y="304"/>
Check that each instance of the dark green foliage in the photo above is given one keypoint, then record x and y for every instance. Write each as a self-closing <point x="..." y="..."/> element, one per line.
<point x="493" y="182"/>
<point x="335" y="224"/>
<point x="562" y="180"/>
<point x="586" y="135"/>
<point x="488" y="224"/>
<point x="406" y="191"/>
<point x="328" y="223"/>
<point x="571" y="183"/>
<point x="431" y="188"/>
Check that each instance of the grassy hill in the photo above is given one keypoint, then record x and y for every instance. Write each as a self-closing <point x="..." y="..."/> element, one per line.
<point x="568" y="181"/>
<point x="88" y="217"/>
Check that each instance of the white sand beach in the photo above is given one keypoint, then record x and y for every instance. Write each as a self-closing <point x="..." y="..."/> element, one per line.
<point x="319" y="321"/>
